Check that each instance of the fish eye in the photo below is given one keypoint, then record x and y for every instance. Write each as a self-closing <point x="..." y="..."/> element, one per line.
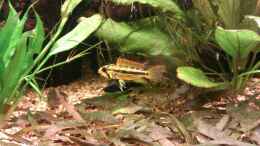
<point x="103" y="69"/>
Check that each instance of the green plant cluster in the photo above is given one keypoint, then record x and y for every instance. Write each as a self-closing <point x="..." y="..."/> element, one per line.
<point x="232" y="26"/>
<point x="16" y="55"/>
<point x="24" y="53"/>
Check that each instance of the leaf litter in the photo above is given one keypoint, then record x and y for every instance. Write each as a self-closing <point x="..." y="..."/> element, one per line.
<point x="81" y="114"/>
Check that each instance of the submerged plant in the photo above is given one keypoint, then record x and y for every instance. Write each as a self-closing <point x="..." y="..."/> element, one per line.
<point x="178" y="34"/>
<point x="237" y="39"/>
<point x="23" y="54"/>
<point x="16" y="55"/>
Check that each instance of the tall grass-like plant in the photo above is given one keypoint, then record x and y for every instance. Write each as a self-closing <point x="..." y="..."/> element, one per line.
<point x="23" y="54"/>
<point x="16" y="55"/>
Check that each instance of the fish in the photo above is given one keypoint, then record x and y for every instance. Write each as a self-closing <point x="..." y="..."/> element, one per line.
<point x="133" y="71"/>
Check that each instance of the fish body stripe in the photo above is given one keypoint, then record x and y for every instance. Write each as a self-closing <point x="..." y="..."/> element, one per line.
<point x="113" y="71"/>
<point x="127" y="70"/>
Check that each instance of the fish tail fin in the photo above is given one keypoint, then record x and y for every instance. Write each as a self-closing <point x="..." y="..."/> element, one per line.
<point x="157" y="73"/>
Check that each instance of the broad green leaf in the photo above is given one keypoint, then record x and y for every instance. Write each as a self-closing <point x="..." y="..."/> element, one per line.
<point x="164" y="5"/>
<point x="229" y="11"/>
<point x="84" y="29"/>
<point x="256" y="19"/>
<point x="195" y="77"/>
<point x="237" y="43"/>
<point x="253" y="23"/>
<point x="147" y="40"/>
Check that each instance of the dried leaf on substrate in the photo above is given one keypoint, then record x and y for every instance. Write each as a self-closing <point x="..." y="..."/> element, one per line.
<point x="216" y="136"/>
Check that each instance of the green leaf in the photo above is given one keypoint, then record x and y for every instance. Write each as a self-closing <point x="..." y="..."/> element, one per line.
<point x="6" y="34"/>
<point x="256" y="19"/>
<point x="84" y="29"/>
<point x="37" y="38"/>
<point x="148" y="40"/>
<point x="164" y="5"/>
<point x="250" y="22"/>
<point x="237" y="43"/>
<point x="15" y="69"/>
<point x="15" y="31"/>
<point x="195" y="77"/>
<point x="253" y="23"/>
<point x="10" y="35"/>
<point x="68" y="6"/>
<point x="248" y="7"/>
<point x="1" y="3"/>
<point x="5" y="38"/>
<point x="206" y="11"/>
<point x="17" y="49"/>
<point x="229" y="11"/>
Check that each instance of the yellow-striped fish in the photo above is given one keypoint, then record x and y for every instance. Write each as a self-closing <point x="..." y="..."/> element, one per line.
<point x="129" y="70"/>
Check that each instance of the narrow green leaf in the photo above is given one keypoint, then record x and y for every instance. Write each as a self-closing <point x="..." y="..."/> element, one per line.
<point x="237" y="42"/>
<point x="15" y="32"/>
<point x="15" y="69"/>
<point x="37" y="38"/>
<point x="195" y="77"/>
<point x="84" y="29"/>
<point x="68" y="6"/>
<point x="6" y="34"/>
<point x="250" y="73"/>
<point x="16" y="53"/>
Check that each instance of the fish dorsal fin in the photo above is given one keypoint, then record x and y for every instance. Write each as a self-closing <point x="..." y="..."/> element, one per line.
<point x="130" y="63"/>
